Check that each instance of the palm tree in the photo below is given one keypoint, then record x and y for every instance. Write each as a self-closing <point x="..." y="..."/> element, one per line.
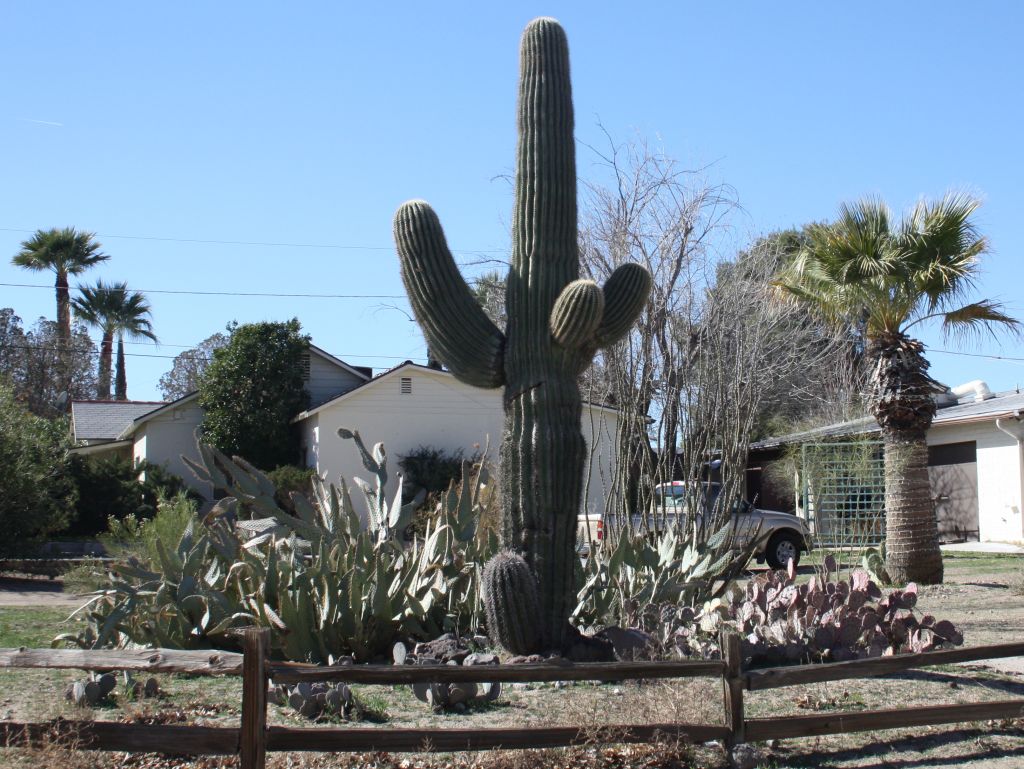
<point x="65" y="252"/>
<point x="894" y="276"/>
<point x="98" y="307"/>
<point x="115" y="311"/>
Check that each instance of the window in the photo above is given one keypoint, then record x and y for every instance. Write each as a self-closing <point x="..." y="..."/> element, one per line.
<point x="406" y="388"/>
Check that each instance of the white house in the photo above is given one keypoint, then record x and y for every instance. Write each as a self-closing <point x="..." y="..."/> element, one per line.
<point x="411" y="406"/>
<point x="975" y="462"/>
<point x="406" y="407"/>
<point x="162" y="433"/>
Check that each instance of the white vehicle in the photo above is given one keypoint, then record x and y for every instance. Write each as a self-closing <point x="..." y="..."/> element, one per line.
<point x="781" y="537"/>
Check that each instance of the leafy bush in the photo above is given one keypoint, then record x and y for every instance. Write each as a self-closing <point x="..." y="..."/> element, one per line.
<point x="252" y="389"/>
<point x="37" y="496"/>
<point x="431" y="469"/>
<point x="133" y="537"/>
<point x="114" y="488"/>
<point x="824" y="620"/>
<point x="289" y="478"/>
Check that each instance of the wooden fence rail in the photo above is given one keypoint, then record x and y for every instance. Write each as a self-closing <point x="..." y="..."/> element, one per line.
<point x="253" y="738"/>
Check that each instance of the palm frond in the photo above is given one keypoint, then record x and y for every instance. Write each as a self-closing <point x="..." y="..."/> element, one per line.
<point x="972" y="321"/>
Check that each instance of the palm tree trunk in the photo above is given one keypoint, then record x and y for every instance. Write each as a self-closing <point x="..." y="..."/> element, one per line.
<point x="902" y="402"/>
<point x="106" y="355"/>
<point x="64" y="333"/>
<point x="912" y="536"/>
<point x="121" y="382"/>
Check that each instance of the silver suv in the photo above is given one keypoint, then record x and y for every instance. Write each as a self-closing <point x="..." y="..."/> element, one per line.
<point x="781" y="537"/>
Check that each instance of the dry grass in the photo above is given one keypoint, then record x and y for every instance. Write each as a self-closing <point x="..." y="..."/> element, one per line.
<point x="977" y="596"/>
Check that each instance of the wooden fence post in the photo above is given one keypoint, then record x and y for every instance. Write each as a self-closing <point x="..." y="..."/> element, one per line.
<point x="253" y="734"/>
<point x="733" y="686"/>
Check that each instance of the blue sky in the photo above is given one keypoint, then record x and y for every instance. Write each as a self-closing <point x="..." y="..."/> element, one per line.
<point x="307" y="125"/>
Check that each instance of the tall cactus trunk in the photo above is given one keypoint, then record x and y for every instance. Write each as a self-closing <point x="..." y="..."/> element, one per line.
<point x="555" y="324"/>
<point x="543" y="453"/>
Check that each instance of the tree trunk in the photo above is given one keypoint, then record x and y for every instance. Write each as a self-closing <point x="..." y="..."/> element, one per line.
<point x="106" y="355"/>
<point x="902" y="402"/>
<point x="121" y="383"/>
<point x="912" y="551"/>
<point x="64" y="334"/>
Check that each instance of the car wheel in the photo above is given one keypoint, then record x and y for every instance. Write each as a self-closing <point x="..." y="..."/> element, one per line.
<point x="782" y="547"/>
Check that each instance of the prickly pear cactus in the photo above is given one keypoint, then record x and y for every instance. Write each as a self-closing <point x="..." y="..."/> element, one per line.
<point x="556" y="322"/>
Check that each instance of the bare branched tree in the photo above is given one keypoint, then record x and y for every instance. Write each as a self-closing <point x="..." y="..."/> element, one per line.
<point x="711" y="351"/>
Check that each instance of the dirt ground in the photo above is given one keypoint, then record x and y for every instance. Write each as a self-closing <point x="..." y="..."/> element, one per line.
<point x="982" y="594"/>
<point x="34" y="591"/>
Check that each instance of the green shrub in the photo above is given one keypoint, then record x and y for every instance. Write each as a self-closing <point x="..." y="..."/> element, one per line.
<point x="134" y="537"/>
<point x="289" y="478"/>
<point x="112" y="488"/>
<point x="431" y="469"/>
<point x="37" y="496"/>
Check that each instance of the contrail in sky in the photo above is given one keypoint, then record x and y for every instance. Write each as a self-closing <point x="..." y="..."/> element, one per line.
<point x="41" y="122"/>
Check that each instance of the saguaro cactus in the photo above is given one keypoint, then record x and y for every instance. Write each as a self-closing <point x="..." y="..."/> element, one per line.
<point x="556" y="322"/>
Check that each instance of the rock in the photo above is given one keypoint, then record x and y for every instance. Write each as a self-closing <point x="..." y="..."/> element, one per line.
<point x="745" y="757"/>
<point x="481" y="658"/>
<point x="481" y="641"/>
<point x="628" y="643"/>
<point x="457" y="657"/>
<point x="440" y="648"/>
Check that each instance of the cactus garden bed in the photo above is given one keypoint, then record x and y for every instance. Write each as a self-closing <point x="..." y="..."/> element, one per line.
<point x="977" y="597"/>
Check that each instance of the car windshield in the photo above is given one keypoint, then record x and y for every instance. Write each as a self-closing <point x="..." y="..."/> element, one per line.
<point x="672" y="497"/>
<point x="674" y="494"/>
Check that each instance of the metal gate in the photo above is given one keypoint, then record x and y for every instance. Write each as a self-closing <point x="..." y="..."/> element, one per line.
<point x="842" y="492"/>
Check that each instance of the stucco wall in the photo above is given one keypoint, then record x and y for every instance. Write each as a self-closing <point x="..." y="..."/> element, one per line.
<point x="165" y="437"/>
<point x="1000" y="478"/>
<point x="439" y="412"/>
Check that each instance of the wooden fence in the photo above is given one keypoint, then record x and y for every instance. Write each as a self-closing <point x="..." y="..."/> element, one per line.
<point x="254" y="738"/>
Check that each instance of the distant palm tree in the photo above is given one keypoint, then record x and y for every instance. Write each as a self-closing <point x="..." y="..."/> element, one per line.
<point x="65" y="252"/>
<point x="895" y="275"/>
<point x="115" y="311"/>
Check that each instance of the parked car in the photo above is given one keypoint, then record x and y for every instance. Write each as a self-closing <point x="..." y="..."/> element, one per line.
<point x="781" y="537"/>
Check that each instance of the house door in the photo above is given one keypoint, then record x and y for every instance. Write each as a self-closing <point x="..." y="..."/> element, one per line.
<point x="953" y="473"/>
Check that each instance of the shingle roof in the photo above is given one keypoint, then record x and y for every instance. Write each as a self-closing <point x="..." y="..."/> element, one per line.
<point x="970" y="410"/>
<point x="106" y="420"/>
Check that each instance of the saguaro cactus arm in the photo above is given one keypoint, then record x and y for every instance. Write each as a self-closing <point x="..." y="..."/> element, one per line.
<point x="625" y="294"/>
<point x="455" y="325"/>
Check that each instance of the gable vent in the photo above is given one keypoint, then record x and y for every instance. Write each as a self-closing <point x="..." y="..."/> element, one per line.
<point x="406" y="385"/>
<point x="305" y="367"/>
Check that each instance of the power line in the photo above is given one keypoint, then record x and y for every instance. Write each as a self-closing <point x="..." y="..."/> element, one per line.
<point x="83" y="351"/>
<point x="980" y="355"/>
<point x="333" y="246"/>
<point x="226" y="293"/>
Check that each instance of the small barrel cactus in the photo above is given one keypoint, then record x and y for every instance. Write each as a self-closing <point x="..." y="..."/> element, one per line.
<point x="556" y="322"/>
<point x="511" y="603"/>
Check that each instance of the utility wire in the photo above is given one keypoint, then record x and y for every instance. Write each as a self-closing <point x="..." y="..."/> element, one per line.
<point x="334" y="246"/>
<point x="84" y="351"/>
<point x="979" y="355"/>
<point x="225" y="293"/>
